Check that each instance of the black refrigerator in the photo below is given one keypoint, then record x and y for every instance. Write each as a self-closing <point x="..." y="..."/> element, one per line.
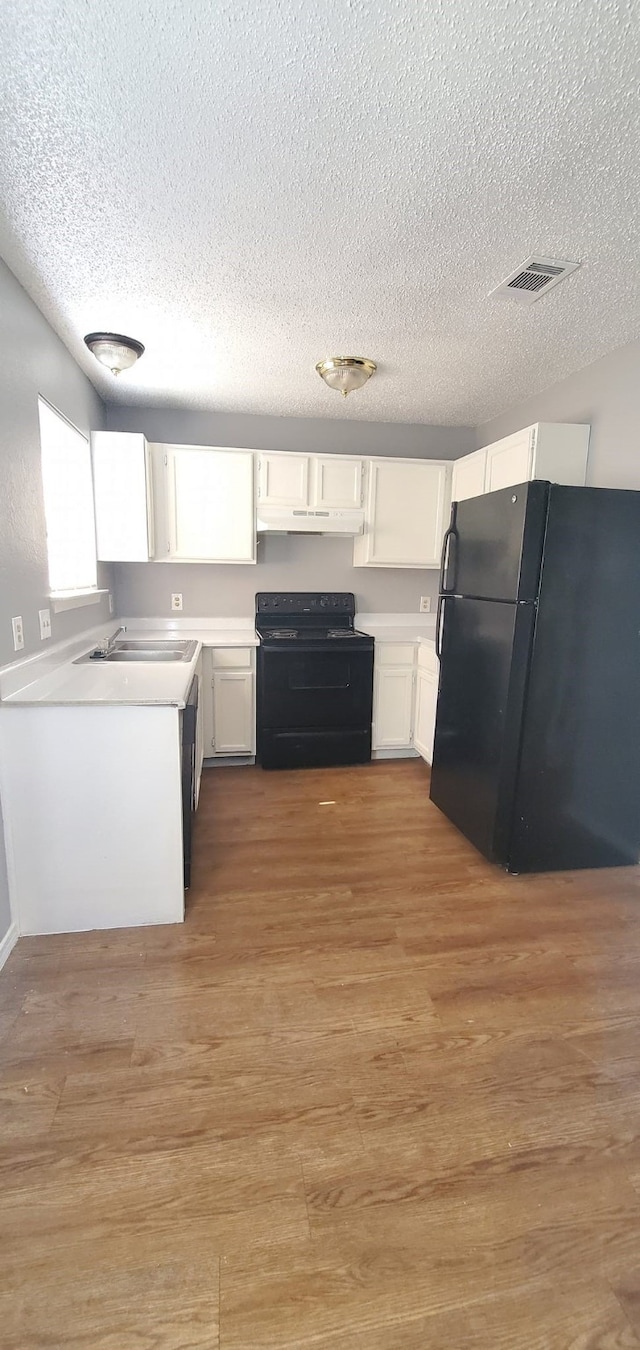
<point x="537" y="745"/>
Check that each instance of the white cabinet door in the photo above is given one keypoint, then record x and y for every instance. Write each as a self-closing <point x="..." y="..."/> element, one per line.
<point x="468" y="476"/>
<point x="425" y="715"/>
<point x="283" y="480"/>
<point x="407" y="505"/>
<point x="122" y="495"/>
<point x="336" y="482"/>
<point x="392" y="707"/>
<point x="210" y="505"/>
<point x="233" y="719"/>
<point x="509" y="461"/>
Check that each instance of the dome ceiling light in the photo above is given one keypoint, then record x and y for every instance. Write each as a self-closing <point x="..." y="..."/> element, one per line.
<point x="114" y="351"/>
<point x="346" y="372"/>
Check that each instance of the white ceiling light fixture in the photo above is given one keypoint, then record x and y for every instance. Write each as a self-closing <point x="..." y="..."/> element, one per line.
<point x="113" y="350"/>
<point x="346" y="373"/>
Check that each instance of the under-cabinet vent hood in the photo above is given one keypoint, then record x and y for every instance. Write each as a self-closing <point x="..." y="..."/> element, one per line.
<point x="296" y="520"/>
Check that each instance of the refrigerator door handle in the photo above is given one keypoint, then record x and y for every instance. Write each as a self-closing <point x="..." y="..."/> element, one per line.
<point x="439" y="622"/>
<point x="449" y="534"/>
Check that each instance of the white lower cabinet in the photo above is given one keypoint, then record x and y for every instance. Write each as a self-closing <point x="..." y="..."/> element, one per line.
<point x="229" y="711"/>
<point x="405" y="692"/>
<point x="424" y="725"/>
<point x="393" y="707"/>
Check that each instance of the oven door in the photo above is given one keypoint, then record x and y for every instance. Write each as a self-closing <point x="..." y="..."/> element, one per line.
<point x="314" y="707"/>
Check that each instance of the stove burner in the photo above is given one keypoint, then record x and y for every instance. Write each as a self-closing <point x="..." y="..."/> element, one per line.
<point x="340" y="632"/>
<point x="284" y="633"/>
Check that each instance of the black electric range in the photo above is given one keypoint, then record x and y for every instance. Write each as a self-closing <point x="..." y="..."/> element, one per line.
<point x="315" y="681"/>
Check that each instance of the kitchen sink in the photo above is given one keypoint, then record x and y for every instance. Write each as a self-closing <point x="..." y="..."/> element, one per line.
<point x="136" y="651"/>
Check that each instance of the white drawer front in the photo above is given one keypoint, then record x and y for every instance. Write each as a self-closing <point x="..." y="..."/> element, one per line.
<point x="231" y="658"/>
<point x="395" y="653"/>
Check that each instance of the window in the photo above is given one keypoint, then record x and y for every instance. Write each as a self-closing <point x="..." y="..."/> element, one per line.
<point x="68" y="503"/>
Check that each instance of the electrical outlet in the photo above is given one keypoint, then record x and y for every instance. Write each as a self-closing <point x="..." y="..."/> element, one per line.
<point x="18" y="633"/>
<point x="44" y="616"/>
<point x="425" y="604"/>
<point x="176" y="601"/>
<point x="110" y="603"/>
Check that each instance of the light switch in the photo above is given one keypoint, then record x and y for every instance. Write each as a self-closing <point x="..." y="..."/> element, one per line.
<point x="44" y="616"/>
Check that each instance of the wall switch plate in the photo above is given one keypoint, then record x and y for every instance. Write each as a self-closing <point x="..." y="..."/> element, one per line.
<point x="44" y="616"/>
<point x="425" y="604"/>
<point x="18" y="633"/>
<point x="176" y="601"/>
<point x="110" y="603"/>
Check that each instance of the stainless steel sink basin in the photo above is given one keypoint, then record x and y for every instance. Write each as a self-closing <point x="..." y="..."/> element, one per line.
<point x="138" y="651"/>
<point x="170" y="655"/>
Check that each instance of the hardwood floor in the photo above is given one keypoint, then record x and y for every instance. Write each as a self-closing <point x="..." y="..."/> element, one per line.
<point x="374" y="1095"/>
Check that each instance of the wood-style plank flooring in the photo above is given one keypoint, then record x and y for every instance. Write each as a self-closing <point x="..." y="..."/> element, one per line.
<point x="374" y="1095"/>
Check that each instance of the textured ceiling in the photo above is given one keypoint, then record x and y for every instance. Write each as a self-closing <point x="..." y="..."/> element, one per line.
<point x="248" y="186"/>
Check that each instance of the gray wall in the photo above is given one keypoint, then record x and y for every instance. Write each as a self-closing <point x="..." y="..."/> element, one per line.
<point x="312" y="435"/>
<point x="285" y="563"/>
<point x="290" y="563"/>
<point x="606" y="394"/>
<point x="34" y="361"/>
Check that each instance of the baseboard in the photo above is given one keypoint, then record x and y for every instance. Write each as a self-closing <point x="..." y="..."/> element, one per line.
<point x="400" y="753"/>
<point x="8" y="943"/>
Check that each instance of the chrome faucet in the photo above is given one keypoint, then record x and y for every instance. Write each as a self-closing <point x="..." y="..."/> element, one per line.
<point x="107" y="644"/>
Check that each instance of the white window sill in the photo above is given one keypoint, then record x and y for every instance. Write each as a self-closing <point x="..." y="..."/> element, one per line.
<point x="61" y="600"/>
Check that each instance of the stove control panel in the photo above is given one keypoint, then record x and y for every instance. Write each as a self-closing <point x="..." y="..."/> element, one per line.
<point x="324" y="604"/>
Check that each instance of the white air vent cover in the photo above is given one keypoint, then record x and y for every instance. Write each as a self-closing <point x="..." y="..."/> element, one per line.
<point x="534" y="278"/>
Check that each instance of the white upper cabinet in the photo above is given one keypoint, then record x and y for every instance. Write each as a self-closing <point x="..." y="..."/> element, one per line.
<point x="508" y="462"/>
<point x="468" y="475"/>
<point x="122" y="494"/>
<point x="336" y="483"/>
<point x="328" y="482"/>
<point x="556" y="451"/>
<point x="209" y="504"/>
<point x="283" y="479"/>
<point x="406" y="507"/>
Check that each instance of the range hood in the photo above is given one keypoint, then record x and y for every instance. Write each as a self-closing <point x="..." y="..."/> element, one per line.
<point x="294" y="520"/>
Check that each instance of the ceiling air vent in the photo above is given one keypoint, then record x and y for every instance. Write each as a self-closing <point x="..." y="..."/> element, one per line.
<point x="534" y="278"/>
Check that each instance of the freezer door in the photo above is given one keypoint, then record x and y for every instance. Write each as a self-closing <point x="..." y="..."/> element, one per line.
<point x="495" y="547"/>
<point x="485" y="653"/>
<point x="578" y="797"/>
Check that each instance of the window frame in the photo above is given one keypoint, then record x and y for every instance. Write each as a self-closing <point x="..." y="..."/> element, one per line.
<point x="72" y="596"/>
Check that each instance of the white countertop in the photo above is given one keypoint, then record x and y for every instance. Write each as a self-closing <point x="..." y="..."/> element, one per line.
<point x="153" y="683"/>
<point x="398" y="627"/>
<point x="52" y="678"/>
<point x="403" y="634"/>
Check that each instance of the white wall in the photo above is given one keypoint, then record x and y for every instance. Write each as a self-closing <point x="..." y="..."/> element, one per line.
<point x="291" y="563"/>
<point x="606" y="394"/>
<point x="33" y="361"/>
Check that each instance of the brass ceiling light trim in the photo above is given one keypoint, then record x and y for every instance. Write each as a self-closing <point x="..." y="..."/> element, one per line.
<point x="346" y="373"/>
<point x="114" y="351"/>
